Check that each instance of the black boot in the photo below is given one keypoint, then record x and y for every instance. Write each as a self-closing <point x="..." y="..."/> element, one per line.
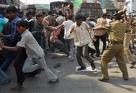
<point x="92" y="65"/>
<point x="81" y="68"/>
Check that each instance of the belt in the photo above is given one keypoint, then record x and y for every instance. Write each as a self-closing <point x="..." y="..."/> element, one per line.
<point x="116" y="42"/>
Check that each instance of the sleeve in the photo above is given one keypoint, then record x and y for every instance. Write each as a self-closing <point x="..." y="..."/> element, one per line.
<point x="72" y="27"/>
<point x="57" y="19"/>
<point x="87" y="26"/>
<point x="64" y="23"/>
<point x="127" y="29"/>
<point x="22" y="42"/>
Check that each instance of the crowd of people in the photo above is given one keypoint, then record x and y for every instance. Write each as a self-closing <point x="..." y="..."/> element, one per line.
<point x="26" y="40"/>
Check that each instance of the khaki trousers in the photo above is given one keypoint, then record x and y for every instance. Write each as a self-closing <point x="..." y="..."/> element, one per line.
<point x="127" y="51"/>
<point x="113" y="51"/>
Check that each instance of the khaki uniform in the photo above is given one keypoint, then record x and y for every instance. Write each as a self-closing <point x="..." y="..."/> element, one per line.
<point x="127" y="52"/>
<point x="133" y="30"/>
<point x="127" y="38"/>
<point x="115" y="49"/>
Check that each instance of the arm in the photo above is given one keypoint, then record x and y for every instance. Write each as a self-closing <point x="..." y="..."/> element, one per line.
<point x="60" y="26"/>
<point x="72" y="30"/>
<point x="13" y="49"/>
<point x="106" y="28"/>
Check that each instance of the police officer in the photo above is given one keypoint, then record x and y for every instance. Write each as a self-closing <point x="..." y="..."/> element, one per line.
<point x="116" y="33"/>
<point x="127" y="39"/>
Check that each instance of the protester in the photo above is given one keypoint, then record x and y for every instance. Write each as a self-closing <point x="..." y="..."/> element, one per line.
<point x="82" y="38"/>
<point x="100" y="34"/>
<point x="35" y="55"/>
<point x="69" y="42"/>
<point x="11" y="37"/>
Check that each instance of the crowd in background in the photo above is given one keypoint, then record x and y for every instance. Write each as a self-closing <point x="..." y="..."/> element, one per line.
<point x="26" y="39"/>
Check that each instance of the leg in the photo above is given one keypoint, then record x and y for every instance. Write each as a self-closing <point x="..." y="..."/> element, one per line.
<point x="78" y="57"/>
<point x="72" y="49"/>
<point x="3" y="77"/>
<point x="127" y="51"/>
<point x="107" y="55"/>
<point x="18" y="64"/>
<point x="86" y="55"/>
<point x="96" y="44"/>
<point x="67" y="44"/>
<point x="120" y="60"/>
<point x="92" y="51"/>
<point x="60" y="45"/>
<point x="44" y="42"/>
<point x="103" y="38"/>
<point x="30" y="66"/>
<point x="7" y="61"/>
<point x="128" y="55"/>
<point x="50" y="75"/>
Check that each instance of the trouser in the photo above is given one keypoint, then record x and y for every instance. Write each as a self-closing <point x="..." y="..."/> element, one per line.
<point x="18" y="64"/>
<point x="113" y="51"/>
<point x="31" y="64"/>
<point x="69" y="44"/>
<point x="3" y="76"/>
<point x="82" y="51"/>
<point x="61" y="35"/>
<point x="1" y="57"/>
<point x="60" y="45"/>
<point x="91" y="50"/>
<point x="8" y="58"/>
<point x="47" y="39"/>
<point x="127" y="51"/>
<point x="97" y="43"/>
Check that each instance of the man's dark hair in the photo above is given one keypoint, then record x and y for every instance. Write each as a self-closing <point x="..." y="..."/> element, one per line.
<point x="78" y="17"/>
<point x="28" y="14"/>
<point x="23" y="23"/>
<point x="49" y="13"/>
<point x="11" y="9"/>
<point x="39" y="15"/>
<point x="104" y="15"/>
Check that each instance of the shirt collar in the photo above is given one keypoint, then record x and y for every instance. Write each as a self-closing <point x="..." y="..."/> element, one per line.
<point x="24" y="32"/>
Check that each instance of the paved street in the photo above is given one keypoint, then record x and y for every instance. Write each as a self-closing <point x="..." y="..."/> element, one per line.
<point x="75" y="82"/>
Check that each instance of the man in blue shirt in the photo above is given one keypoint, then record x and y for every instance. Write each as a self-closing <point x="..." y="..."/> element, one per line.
<point x="11" y="37"/>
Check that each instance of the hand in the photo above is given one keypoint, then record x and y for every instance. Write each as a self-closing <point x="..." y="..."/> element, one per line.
<point x="72" y="30"/>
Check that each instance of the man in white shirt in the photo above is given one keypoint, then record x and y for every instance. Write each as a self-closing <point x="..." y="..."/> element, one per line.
<point x="35" y="55"/>
<point x="69" y="42"/>
<point x="82" y="38"/>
